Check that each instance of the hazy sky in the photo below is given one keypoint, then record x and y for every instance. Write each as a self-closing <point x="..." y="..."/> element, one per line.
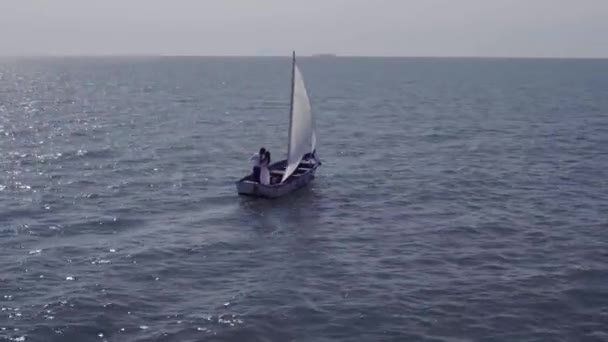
<point x="538" y="28"/>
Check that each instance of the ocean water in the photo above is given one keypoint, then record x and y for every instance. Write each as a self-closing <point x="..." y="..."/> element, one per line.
<point x="459" y="200"/>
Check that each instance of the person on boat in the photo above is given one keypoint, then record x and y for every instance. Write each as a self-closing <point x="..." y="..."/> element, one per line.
<point x="311" y="157"/>
<point x="257" y="161"/>
<point x="265" y="169"/>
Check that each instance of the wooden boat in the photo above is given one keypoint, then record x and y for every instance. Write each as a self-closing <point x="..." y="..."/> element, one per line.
<point x="298" y="170"/>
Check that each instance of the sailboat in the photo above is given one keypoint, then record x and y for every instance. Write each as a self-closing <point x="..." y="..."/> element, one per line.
<point x="298" y="170"/>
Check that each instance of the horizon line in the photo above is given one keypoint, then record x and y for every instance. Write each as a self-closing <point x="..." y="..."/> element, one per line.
<point x="314" y="55"/>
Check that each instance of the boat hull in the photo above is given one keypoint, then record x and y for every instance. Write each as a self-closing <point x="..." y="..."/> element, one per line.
<point x="246" y="186"/>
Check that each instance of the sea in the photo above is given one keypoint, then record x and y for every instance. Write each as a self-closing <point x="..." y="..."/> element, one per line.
<point x="459" y="199"/>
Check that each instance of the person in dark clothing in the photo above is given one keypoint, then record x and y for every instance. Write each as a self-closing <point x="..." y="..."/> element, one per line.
<point x="312" y="155"/>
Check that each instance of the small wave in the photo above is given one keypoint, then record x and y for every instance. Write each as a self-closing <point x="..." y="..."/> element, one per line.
<point x="103" y="153"/>
<point x="49" y="156"/>
<point x="100" y="226"/>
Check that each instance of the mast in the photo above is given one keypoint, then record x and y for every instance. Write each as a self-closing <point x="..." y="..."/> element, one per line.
<point x="293" y="75"/>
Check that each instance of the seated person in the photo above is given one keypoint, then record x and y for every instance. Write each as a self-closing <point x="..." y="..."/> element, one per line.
<point x="310" y="158"/>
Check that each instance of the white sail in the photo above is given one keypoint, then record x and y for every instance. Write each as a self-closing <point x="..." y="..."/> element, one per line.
<point x="302" y="138"/>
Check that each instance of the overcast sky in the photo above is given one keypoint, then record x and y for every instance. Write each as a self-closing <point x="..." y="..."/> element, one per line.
<point x="535" y="28"/>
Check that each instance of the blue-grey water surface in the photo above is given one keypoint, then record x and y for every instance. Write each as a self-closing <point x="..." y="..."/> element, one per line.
<point x="459" y="200"/>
